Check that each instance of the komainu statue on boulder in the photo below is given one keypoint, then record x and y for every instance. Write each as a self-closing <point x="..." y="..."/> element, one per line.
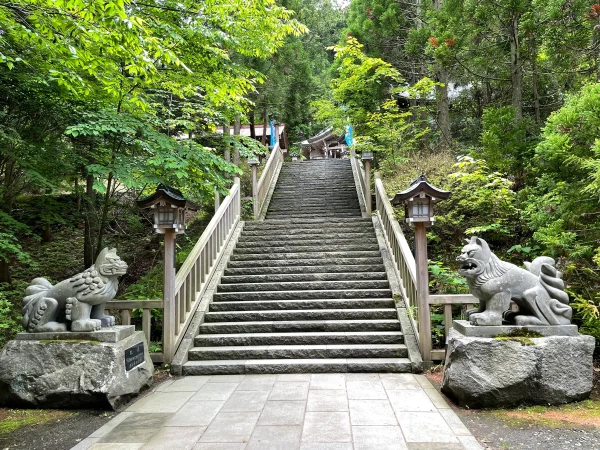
<point x="78" y="300"/>
<point x="538" y="291"/>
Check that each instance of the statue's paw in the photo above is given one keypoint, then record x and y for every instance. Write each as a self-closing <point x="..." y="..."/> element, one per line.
<point x="107" y="321"/>
<point x="86" y="325"/>
<point x="52" y="327"/>
<point x="70" y="306"/>
<point x="485" y="319"/>
<point x="470" y="312"/>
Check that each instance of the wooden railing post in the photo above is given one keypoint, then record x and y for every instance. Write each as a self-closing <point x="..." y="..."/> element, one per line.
<point x="255" y="200"/>
<point x="423" y="289"/>
<point x="368" y="201"/>
<point x="169" y="311"/>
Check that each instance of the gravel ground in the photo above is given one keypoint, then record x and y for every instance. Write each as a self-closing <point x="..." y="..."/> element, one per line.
<point x="65" y="433"/>
<point x="60" y="434"/>
<point x="497" y="432"/>
<point x="494" y="433"/>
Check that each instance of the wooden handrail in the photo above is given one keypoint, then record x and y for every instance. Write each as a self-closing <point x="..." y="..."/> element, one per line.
<point x="266" y="178"/>
<point x="191" y="280"/>
<point x="404" y="260"/>
<point x="195" y="273"/>
<point x="127" y="306"/>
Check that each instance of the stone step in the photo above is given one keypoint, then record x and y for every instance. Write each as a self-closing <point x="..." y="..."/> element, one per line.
<point x="327" y="248"/>
<point x="302" y="295"/>
<point x="339" y="365"/>
<point x="306" y="262"/>
<point x="297" y="231"/>
<point x="304" y="203"/>
<point x="299" y="314"/>
<point x="300" y="215"/>
<point x="290" y="326"/>
<point x="303" y="255"/>
<point x="358" y="268"/>
<point x="270" y="278"/>
<point x="321" y="212"/>
<point x="271" y="305"/>
<point x="315" y="194"/>
<point x="299" y="243"/>
<point x="308" y="338"/>
<point x="299" y="352"/>
<point x="290" y="207"/>
<point x="278" y="229"/>
<point x="257" y="224"/>
<point x="303" y="286"/>
<point x="285" y="207"/>
<point x="266" y="236"/>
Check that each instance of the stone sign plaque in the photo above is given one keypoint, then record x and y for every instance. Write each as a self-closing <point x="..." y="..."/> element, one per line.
<point x="134" y="356"/>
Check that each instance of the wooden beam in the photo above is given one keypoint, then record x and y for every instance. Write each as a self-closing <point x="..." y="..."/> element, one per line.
<point x="453" y="299"/>
<point x="438" y="354"/>
<point x="134" y="304"/>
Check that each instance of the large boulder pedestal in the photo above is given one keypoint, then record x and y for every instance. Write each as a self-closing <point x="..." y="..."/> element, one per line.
<point x="485" y="372"/>
<point x="75" y="370"/>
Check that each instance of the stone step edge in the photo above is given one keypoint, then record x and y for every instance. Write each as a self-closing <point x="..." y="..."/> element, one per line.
<point x="311" y="291"/>
<point x="301" y="334"/>
<point x="338" y="365"/>
<point x="295" y="347"/>
<point x="299" y="311"/>
<point x="287" y="322"/>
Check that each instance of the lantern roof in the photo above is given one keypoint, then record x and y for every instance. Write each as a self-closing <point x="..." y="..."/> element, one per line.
<point x="170" y="195"/>
<point x="418" y="187"/>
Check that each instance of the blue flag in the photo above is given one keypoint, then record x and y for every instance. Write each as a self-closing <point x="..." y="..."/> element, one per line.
<point x="349" y="135"/>
<point x="273" y="140"/>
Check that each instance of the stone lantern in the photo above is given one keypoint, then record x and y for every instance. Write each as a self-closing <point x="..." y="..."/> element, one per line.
<point x="418" y="202"/>
<point x="169" y="207"/>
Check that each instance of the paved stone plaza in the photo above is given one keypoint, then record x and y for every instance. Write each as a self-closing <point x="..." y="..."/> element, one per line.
<point x="303" y="411"/>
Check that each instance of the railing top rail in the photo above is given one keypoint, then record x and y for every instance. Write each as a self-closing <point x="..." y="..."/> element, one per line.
<point x="272" y="160"/>
<point x="402" y="243"/>
<point x="188" y="264"/>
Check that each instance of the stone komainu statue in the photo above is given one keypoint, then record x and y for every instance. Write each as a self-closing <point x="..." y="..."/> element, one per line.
<point x="538" y="291"/>
<point x="79" y="300"/>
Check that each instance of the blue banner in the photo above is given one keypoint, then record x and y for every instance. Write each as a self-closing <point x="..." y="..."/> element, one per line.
<point x="273" y="140"/>
<point x="349" y="135"/>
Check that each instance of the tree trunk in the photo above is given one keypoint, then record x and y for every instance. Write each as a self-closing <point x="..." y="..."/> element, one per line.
<point x="265" y="124"/>
<point x="89" y="222"/>
<point x="227" y="152"/>
<point x="252" y="126"/>
<point x="4" y="272"/>
<point x="237" y="127"/>
<point x="104" y="217"/>
<point x="47" y="233"/>
<point x="515" y="68"/>
<point x="443" y="107"/>
<point x="536" y="92"/>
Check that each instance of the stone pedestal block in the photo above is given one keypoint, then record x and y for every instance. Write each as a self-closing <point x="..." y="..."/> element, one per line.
<point x="74" y="373"/>
<point x="489" y="373"/>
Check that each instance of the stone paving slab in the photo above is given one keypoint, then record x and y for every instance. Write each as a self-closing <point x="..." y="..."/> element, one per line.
<point x="353" y="411"/>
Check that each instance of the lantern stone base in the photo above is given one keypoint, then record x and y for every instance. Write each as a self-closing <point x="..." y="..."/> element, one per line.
<point x="81" y="372"/>
<point x="483" y="372"/>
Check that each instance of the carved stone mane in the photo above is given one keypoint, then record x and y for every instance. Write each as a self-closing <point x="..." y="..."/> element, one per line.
<point x="494" y="269"/>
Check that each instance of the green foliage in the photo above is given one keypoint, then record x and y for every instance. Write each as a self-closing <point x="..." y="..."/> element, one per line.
<point x="444" y="280"/>
<point x="10" y="317"/>
<point x="505" y="145"/>
<point x="10" y="246"/>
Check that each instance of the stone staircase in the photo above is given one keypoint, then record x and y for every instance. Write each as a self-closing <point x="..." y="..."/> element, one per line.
<point x="306" y="289"/>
